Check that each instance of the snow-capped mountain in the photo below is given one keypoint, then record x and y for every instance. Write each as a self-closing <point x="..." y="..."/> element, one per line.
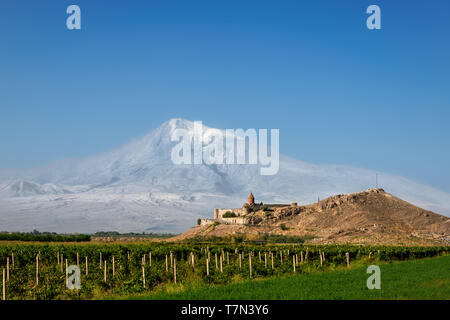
<point x="137" y="187"/>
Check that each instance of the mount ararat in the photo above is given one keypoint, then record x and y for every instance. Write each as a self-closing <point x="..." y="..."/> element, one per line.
<point x="138" y="188"/>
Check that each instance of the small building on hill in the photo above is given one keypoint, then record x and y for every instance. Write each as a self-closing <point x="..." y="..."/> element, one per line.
<point x="241" y="215"/>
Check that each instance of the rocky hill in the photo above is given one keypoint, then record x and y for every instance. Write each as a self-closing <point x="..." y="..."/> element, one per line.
<point x="369" y="217"/>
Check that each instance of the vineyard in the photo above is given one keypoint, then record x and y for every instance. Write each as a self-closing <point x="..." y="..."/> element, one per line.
<point x="40" y="271"/>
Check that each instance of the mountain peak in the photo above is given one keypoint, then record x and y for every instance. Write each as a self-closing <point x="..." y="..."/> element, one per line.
<point x="178" y="123"/>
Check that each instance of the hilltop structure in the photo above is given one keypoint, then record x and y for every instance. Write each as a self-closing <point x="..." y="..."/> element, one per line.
<point x="371" y="217"/>
<point x="242" y="216"/>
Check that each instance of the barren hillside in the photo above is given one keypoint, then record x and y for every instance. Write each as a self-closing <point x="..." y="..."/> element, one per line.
<point x="368" y="217"/>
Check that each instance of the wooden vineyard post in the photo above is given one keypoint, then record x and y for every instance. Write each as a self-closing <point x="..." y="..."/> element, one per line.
<point x="348" y="259"/>
<point x="67" y="273"/>
<point x="217" y="265"/>
<point x="57" y="258"/>
<point x="207" y="266"/>
<point x="228" y="258"/>
<point x="4" y="286"/>
<point x="143" y="260"/>
<point x="150" y="259"/>
<point x="37" y="270"/>
<point x="167" y="264"/>
<point x="281" y="255"/>
<point x="7" y="269"/>
<point x="12" y="256"/>
<point x="265" y="260"/>
<point x="240" y="261"/>
<point x="143" y="276"/>
<point x="250" y="264"/>
<point x="171" y="259"/>
<point x="193" y="260"/>
<point x="321" y="262"/>
<point x="104" y="272"/>
<point x="301" y="257"/>
<point x="78" y="260"/>
<point x="175" y="270"/>
<point x="128" y="255"/>
<point x="100" y="264"/>
<point x="272" y="259"/>
<point x="259" y="253"/>
<point x="62" y="263"/>
<point x="293" y="262"/>
<point x="114" y="265"/>
<point x="306" y="255"/>
<point x="370" y="255"/>
<point x="221" y="269"/>
<point x="87" y="267"/>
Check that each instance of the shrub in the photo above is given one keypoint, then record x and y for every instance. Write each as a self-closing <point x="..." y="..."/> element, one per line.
<point x="283" y="227"/>
<point x="249" y="208"/>
<point x="265" y="208"/>
<point x="229" y="214"/>
<point x="237" y="238"/>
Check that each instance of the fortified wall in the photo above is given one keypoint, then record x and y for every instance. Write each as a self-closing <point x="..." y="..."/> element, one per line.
<point x="240" y="213"/>
<point x="218" y="213"/>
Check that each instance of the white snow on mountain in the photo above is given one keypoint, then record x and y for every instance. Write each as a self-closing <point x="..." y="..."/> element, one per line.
<point x="137" y="188"/>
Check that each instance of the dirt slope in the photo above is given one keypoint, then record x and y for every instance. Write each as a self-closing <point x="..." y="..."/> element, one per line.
<point x="369" y="217"/>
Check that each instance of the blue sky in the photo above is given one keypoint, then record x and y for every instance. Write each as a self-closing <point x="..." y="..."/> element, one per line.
<point x="338" y="92"/>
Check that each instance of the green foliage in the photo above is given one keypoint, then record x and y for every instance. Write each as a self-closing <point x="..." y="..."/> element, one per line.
<point x="44" y="237"/>
<point x="249" y="208"/>
<point x="283" y="227"/>
<point x="417" y="280"/>
<point x="278" y="238"/>
<point x="128" y="264"/>
<point x="229" y="214"/>
<point x="150" y="235"/>
<point x="266" y="209"/>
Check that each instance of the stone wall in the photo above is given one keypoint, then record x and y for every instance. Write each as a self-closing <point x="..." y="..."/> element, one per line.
<point x="237" y="220"/>
<point x="206" y="222"/>
<point x="277" y="205"/>
<point x="218" y="213"/>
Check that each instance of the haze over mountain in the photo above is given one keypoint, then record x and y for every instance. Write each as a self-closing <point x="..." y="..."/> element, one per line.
<point x="137" y="187"/>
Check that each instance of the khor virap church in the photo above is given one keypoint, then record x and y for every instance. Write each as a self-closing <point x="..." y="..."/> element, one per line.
<point x="241" y="215"/>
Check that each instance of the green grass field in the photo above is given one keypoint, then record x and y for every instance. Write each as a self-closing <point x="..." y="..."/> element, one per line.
<point x="418" y="279"/>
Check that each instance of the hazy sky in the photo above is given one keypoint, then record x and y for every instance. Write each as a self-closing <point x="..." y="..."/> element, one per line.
<point x="338" y="92"/>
